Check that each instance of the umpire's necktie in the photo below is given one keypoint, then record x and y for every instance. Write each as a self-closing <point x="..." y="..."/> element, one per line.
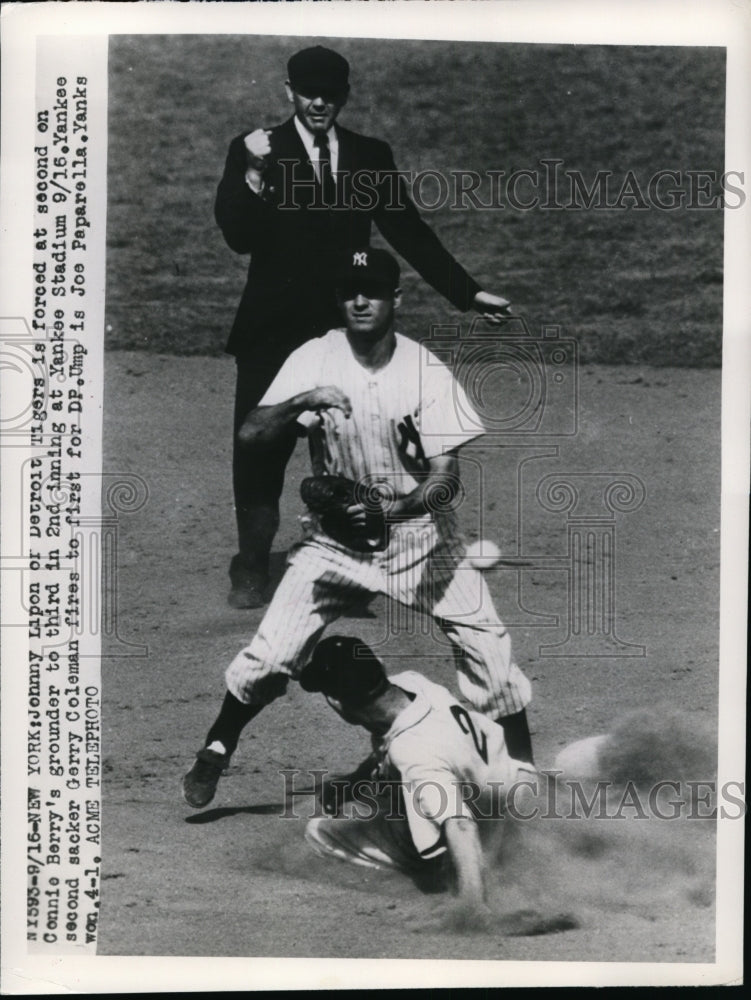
<point x="325" y="177"/>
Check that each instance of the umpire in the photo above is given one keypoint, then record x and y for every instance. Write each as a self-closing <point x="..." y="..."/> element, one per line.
<point x="293" y="197"/>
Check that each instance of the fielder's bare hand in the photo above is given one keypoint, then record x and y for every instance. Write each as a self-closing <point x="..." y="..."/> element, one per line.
<point x="492" y="308"/>
<point x="328" y="397"/>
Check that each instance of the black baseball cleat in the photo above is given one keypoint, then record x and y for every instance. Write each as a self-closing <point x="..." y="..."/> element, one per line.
<point x="199" y="784"/>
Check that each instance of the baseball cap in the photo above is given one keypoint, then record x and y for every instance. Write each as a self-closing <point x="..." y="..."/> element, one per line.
<point x="318" y="71"/>
<point x="367" y="264"/>
<point x="344" y="668"/>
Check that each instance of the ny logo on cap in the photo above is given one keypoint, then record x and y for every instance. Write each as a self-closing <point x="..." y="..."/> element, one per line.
<point x="360" y="259"/>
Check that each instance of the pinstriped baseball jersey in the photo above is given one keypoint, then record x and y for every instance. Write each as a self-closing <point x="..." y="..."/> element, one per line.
<point x="435" y="746"/>
<point x="403" y="415"/>
<point x="409" y="411"/>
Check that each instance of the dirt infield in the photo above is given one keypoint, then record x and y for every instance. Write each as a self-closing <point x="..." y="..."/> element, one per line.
<point x="237" y="879"/>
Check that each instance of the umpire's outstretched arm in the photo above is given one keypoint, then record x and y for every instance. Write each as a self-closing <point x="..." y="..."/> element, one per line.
<point x="398" y="219"/>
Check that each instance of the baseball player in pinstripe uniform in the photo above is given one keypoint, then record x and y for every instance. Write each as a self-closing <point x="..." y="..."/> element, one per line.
<point x="435" y="769"/>
<point x="378" y="408"/>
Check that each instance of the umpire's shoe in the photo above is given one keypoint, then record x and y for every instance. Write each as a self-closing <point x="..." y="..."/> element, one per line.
<point x="199" y="784"/>
<point x="248" y="586"/>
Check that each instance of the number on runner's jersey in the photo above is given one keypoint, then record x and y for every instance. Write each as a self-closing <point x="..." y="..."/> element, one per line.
<point x="464" y="721"/>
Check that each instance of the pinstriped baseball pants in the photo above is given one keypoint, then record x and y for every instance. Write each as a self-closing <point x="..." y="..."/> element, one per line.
<point x="324" y="579"/>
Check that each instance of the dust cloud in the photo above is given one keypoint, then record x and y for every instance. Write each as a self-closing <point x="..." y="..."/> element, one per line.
<point x="637" y="841"/>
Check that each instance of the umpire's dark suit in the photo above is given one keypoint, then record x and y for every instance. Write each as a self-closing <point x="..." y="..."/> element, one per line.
<point x="289" y="295"/>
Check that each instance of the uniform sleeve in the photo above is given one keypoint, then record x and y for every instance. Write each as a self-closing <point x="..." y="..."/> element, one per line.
<point x="299" y="373"/>
<point x="446" y="418"/>
<point x="432" y="793"/>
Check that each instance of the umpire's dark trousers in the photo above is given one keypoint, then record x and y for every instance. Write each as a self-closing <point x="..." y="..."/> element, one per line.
<point x="257" y="479"/>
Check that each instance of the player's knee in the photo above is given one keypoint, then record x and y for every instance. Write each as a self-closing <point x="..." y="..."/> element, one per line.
<point x="256" y="690"/>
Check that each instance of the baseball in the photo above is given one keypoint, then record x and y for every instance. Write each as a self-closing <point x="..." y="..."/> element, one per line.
<point x="483" y="554"/>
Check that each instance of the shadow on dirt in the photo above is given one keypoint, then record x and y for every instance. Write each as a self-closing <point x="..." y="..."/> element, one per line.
<point x="212" y="815"/>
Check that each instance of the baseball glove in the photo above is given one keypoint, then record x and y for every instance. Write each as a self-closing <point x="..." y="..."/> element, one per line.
<point x="329" y="497"/>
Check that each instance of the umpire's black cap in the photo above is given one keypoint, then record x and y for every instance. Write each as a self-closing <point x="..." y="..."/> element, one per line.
<point x="345" y="668"/>
<point x="369" y="264"/>
<point x="318" y="71"/>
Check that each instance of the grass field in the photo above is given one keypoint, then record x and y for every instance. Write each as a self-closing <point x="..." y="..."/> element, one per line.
<point x="630" y="284"/>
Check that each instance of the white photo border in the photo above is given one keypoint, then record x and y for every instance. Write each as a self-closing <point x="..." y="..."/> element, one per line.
<point x="726" y="24"/>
